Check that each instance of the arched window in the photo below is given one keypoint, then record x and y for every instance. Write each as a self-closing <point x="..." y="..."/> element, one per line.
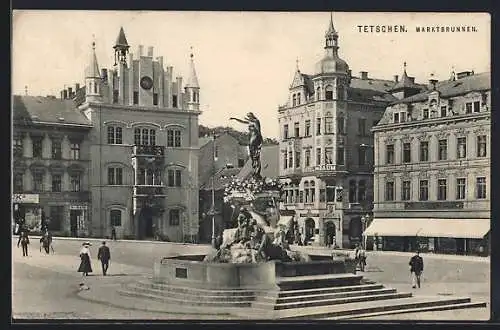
<point x="306" y="191"/>
<point x="144" y="136"/>
<point x="313" y="191"/>
<point x="361" y="190"/>
<point x="318" y="94"/>
<point x="115" y="217"/>
<point x="95" y="88"/>
<point x="298" y="98"/>
<point x="329" y="93"/>
<point x="294" y="102"/>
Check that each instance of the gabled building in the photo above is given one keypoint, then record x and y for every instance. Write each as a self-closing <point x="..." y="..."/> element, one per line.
<point x="432" y="167"/>
<point x="326" y="148"/>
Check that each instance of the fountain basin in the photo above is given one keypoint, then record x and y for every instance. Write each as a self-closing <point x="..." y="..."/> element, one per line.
<point x="191" y="271"/>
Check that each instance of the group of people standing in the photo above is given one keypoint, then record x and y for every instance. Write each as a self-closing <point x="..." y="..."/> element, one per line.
<point x="103" y="255"/>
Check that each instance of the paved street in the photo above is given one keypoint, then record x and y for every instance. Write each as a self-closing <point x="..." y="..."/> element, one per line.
<point x="46" y="286"/>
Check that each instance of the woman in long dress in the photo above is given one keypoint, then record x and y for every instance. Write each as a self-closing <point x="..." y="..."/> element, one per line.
<point x="85" y="264"/>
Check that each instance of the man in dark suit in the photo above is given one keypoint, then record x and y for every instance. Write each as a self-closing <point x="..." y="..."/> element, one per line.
<point x="104" y="255"/>
<point x="416" y="268"/>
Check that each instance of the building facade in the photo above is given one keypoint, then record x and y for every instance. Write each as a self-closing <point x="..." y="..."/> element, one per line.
<point x="51" y="161"/>
<point x="139" y="149"/>
<point x="326" y="148"/>
<point x="432" y="168"/>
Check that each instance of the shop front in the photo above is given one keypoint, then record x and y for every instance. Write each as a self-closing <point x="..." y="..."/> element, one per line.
<point x="27" y="211"/>
<point x="446" y="236"/>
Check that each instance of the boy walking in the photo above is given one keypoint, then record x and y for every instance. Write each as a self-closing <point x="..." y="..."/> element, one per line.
<point x="416" y="268"/>
<point x="104" y="256"/>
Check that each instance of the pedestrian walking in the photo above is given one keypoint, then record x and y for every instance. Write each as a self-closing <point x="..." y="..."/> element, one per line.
<point x="113" y="233"/>
<point x="362" y="258"/>
<point x="416" y="268"/>
<point x="85" y="261"/>
<point x="104" y="255"/>
<point x="24" y="241"/>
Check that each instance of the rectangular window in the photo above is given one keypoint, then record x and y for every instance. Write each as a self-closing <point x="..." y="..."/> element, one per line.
<point x="18" y="146"/>
<point x="170" y="138"/>
<point x="362" y="126"/>
<point x="389" y="191"/>
<point x="296" y="127"/>
<point x="178" y="176"/>
<point x="318" y="126"/>
<point x="402" y="117"/>
<point x="285" y="160"/>
<point x="424" y="151"/>
<point x="137" y="136"/>
<point x="115" y="176"/>
<point x="468" y="107"/>
<point x="461" y="147"/>
<point x="361" y="191"/>
<point x="308" y="158"/>
<point x="145" y="136"/>
<point x="56" y="182"/>
<point x="37" y="147"/>
<point x="177" y="139"/>
<point x="171" y="178"/>
<point x="340" y="156"/>
<point x="481" y="188"/>
<point x="174" y="101"/>
<point x="461" y="188"/>
<point x="152" y="137"/>
<point x="330" y="194"/>
<point x="340" y="125"/>
<point x="56" y="218"/>
<point x="38" y="181"/>
<point x="56" y="149"/>
<point x="389" y="149"/>
<point x="443" y="149"/>
<point x="328" y="125"/>
<point x="318" y="156"/>
<point x="290" y="159"/>
<point x="285" y="131"/>
<point x="476" y="106"/>
<point x="322" y="195"/>
<point x="396" y="117"/>
<point x="114" y="135"/>
<point x="443" y="111"/>
<point x="301" y="196"/>
<point x="328" y="155"/>
<point x="18" y="183"/>
<point x="424" y="190"/>
<point x="441" y="190"/>
<point x="308" y="128"/>
<point x="352" y="191"/>
<point x="115" y="96"/>
<point x="481" y="146"/>
<point x="115" y="218"/>
<point x="155" y="98"/>
<point x="425" y="114"/>
<point x="362" y="155"/>
<point x="406" y="153"/>
<point x="406" y="191"/>
<point x="75" y="182"/>
<point x="174" y="217"/>
<point x="297" y="159"/>
<point x="118" y="135"/>
<point x="75" y="151"/>
<point x="136" y="97"/>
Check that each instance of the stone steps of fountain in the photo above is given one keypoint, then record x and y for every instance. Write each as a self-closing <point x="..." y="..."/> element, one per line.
<point x="371" y="307"/>
<point x="327" y="290"/>
<point x="191" y="290"/>
<point x="318" y="281"/>
<point x="284" y="299"/>
<point x="330" y="301"/>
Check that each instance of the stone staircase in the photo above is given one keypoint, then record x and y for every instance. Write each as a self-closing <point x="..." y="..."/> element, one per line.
<point x="330" y="296"/>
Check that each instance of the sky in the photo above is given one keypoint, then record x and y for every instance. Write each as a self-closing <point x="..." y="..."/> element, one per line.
<point x="245" y="61"/>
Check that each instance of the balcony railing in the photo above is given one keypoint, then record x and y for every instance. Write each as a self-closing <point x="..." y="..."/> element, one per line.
<point x="149" y="190"/>
<point x="143" y="150"/>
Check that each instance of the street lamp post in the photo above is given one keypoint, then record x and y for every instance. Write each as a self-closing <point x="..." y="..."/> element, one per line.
<point x="213" y="193"/>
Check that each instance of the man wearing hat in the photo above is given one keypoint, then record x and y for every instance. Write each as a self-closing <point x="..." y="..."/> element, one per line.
<point x="104" y="255"/>
<point x="416" y="268"/>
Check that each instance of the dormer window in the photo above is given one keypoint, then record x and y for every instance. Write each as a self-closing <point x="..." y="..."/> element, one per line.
<point x="476" y="106"/>
<point x="402" y="117"/>
<point x="396" y="117"/>
<point x="443" y="111"/>
<point x="298" y="98"/>
<point x="425" y="114"/>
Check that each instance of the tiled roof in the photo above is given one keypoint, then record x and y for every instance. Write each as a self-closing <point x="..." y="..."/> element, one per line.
<point x="33" y="109"/>
<point x="221" y="178"/>
<point x="369" y="95"/>
<point x="450" y="88"/>
<point x="202" y="141"/>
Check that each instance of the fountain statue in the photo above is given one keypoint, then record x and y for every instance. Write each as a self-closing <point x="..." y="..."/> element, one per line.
<point x="254" y="239"/>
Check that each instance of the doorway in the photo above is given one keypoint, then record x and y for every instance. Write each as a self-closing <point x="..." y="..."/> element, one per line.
<point x="74" y="216"/>
<point x="355" y="231"/>
<point x="330" y="233"/>
<point x="309" y="230"/>
<point x="146" y="221"/>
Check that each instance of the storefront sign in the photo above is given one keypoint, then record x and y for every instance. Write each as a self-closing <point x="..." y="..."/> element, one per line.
<point x="77" y="207"/>
<point x="25" y="198"/>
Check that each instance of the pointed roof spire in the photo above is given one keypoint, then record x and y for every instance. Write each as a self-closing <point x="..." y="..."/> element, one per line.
<point x="92" y="69"/>
<point x="193" y="79"/>
<point x="331" y="28"/>
<point x="297" y="64"/>
<point x="405" y="81"/>
<point x="121" y="40"/>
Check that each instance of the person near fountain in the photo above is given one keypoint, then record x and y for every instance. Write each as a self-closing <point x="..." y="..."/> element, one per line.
<point x="255" y="143"/>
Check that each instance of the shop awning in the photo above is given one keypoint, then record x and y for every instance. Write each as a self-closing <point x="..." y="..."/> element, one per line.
<point x="429" y="227"/>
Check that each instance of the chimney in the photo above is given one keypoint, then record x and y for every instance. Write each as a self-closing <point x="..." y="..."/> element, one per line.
<point x="150" y="51"/>
<point x="141" y="50"/>
<point x="396" y="78"/>
<point x="363" y="75"/>
<point x="432" y="82"/>
<point x="77" y="87"/>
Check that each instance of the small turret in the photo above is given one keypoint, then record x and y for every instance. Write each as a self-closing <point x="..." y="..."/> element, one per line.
<point x="192" y="87"/>
<point x="93" y="78"/>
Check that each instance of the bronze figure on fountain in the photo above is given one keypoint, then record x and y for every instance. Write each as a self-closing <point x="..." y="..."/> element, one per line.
<point x="255" y="143"/>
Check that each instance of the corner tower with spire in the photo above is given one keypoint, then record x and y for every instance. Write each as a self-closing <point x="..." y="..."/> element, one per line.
<point x="192" y="88"/>
<point x="93" y="78"/>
